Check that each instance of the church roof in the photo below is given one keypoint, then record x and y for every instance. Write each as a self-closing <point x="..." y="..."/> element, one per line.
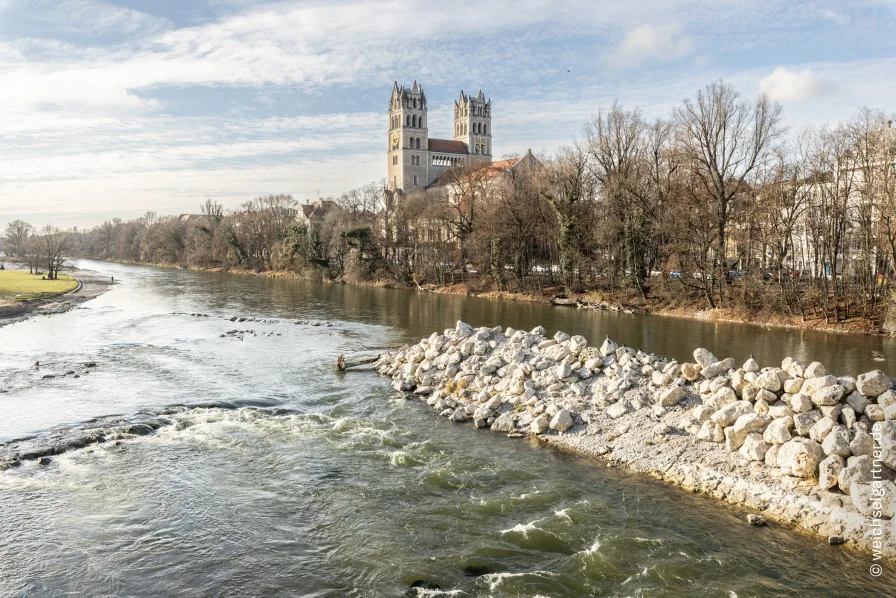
<point x="448" y="146"/>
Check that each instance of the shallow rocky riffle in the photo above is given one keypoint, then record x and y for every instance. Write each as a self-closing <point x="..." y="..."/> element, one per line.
<point x="800" y="445"/>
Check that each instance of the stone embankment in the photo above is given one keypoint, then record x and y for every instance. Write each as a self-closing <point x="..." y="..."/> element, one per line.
<point x="800" y="445"/>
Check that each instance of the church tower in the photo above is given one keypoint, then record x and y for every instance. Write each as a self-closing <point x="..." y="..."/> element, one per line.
<point x="473" y="124"/>
<point x="408" y="139"/>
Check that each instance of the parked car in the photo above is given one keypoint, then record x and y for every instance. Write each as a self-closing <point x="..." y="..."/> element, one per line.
<point x="675" y="274"/>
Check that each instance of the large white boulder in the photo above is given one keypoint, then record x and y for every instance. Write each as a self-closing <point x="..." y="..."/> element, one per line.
<point x="704" y="357"/>
<point x="872" y="384"/>
<point x="728" y="414"/>
<point x="769" y="381"/>
<point x="562" y="421"/>
<point x="800" y="457"/>
<point x="671" y="396"/>
<point x="829" y="395"/>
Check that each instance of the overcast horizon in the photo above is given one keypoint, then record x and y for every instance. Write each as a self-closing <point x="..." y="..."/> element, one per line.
<point x="113" y="109"/>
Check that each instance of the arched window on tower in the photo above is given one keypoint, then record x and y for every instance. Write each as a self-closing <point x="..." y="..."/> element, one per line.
<point x="415" y="179"/>
<point x="485" y="129"/>
<point x="409" y="121"/>
<point x="418" y="143"/>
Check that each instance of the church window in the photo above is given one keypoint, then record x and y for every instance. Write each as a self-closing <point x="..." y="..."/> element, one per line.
<point x="485" y="129"/>
<point x="418" y="143"/>
<point x="415" y="179"/>
<point x="409" y="121"/>
<point x="477" y="150"/>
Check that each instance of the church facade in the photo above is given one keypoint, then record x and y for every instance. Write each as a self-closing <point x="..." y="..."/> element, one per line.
<point x="416" y="160"/>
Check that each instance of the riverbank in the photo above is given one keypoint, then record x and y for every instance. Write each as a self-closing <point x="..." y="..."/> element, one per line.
<point x="792" y="442"/>
<point x="89" y="285"/>
<point x="553" y="295"/>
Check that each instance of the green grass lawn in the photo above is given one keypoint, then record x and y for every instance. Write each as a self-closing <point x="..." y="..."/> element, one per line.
<point x="16" y="285"/>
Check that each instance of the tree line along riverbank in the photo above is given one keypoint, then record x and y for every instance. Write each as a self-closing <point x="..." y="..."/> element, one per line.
<point x="791" y="441"/>
<point x="646" y="215"/>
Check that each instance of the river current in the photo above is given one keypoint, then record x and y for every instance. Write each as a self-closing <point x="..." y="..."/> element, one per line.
<point x="269" y="474"/>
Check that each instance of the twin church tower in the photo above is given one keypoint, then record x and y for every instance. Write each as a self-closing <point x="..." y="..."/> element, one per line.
<point x="416" y="160"/>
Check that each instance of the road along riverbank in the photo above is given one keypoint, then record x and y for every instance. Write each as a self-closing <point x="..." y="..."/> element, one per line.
<point x="791" y="441"/>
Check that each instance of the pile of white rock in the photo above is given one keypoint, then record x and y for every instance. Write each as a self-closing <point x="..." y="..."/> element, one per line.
<point x="810" y="424"/>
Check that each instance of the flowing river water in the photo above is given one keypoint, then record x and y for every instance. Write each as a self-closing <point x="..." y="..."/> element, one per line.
<point x="271" y="475"/>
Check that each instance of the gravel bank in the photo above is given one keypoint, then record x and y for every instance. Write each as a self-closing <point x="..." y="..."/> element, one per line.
<point x="798" y="445"/>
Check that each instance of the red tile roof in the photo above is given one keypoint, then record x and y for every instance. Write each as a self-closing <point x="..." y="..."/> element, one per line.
<point x="448" y="146"/>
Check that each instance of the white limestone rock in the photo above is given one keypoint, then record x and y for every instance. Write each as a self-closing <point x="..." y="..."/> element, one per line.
<point x="875" y="412"/>
<point x="820" y="429"/>
<point x="718" y="368"/>
<point x="829" y="395"/>
<point x="704" y="357"/>
<point x="754" y="447"/>
<point x="829" y="471"/>
<point x="837" y="442"/>
<point x="504" y="423"/>
<point x="562" y="421"/>
<point x="801" y="404"/>
<point x="711" y="432"/>
<point x="803" y="422"/>
<point x="857" y="470"/>
<point x="885" y="434"/>
<point x="540" y="424"/>
<point x="874" y="383"/>
<point x="857" y="402"/>
<point x="769" y="381"/>
<point x="617" y="410"/>
<point x="778" y="432"/>
<point x="728" y="414"/>
<point x="814" y="370"/>
<point x="793" y="385"/>
<point x="671" y="396"/>
<point x="800" y="457"/>
<point x="875" y="499"/>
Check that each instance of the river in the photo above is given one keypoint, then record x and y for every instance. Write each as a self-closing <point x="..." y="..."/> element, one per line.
<point x="275" y="476"/>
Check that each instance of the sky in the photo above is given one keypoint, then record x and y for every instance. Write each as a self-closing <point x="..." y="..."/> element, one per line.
<point x="112" y="108"/>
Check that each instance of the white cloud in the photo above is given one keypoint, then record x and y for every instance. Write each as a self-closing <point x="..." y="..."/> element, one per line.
<point x="836" y="17"/>
<point x="652" y="42"/>
<point x="788" y="85"/>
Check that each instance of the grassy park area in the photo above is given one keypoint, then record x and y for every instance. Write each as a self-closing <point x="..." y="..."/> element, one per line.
<point x="16" y="285"/>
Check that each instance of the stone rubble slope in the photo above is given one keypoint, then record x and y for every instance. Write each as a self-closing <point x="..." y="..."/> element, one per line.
<point x="792" y="440"/>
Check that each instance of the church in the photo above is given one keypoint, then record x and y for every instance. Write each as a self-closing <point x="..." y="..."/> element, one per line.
<point x="416" y="160"/>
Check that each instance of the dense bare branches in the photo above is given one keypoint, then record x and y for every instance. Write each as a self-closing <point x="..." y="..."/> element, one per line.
<point x="705" y="209"/>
